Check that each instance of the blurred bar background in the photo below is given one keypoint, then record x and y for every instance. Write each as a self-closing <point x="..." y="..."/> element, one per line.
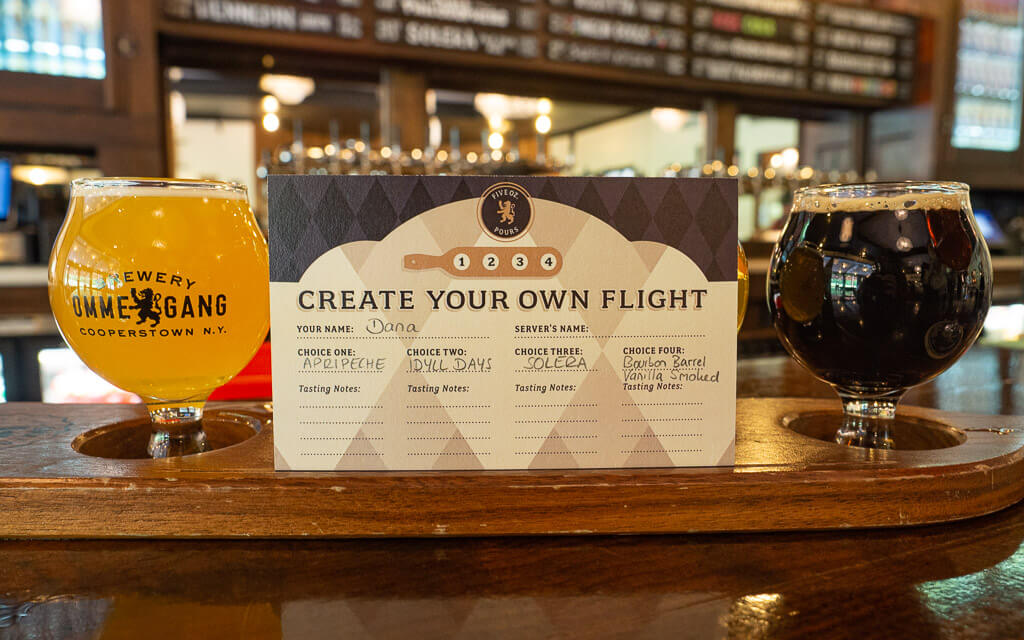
<point x="775" y="93"/>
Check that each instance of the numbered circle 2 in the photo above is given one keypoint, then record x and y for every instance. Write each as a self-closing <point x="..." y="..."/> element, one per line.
<point x="549" y="262"/>
<point x="491" y="262"/>
<point x="460" y="261"/>
<point x="520" y="261"/>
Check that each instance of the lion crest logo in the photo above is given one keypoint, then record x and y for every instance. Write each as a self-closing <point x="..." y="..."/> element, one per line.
<point x="146" y="303"/>
<point x="507" y="211"/>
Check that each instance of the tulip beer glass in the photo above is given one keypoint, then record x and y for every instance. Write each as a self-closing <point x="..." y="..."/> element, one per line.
<point x="875" y="288"/>
<point x="161" y="287"/>
<point x="743" y="284"/>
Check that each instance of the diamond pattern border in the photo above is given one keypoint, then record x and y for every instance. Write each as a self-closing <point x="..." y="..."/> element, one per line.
<point x="311" y="214"/>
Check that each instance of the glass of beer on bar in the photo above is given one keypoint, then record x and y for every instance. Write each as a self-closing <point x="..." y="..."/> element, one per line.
<point x="876" y="288"/>
<point x="743" y="284"/>
<point x="161" y="288"/>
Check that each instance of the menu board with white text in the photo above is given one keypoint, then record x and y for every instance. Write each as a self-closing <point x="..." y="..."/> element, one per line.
<point x="797" y="49"/>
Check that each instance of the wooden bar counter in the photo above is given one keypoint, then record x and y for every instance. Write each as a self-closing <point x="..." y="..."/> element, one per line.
<point x="964" y="579"/>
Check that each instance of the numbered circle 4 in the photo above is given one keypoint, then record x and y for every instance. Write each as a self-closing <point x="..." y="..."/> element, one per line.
<point x="491" y="262"/>
<point x="549" y="261"/>
<point x="461" y="261"/>
<point x="520" y="261"/>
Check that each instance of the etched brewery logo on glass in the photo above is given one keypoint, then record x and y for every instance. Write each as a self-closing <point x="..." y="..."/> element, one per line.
<point x="152" y="296"/>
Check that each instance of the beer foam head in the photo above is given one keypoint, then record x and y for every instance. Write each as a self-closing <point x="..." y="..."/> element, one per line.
<point x="890" y="196"/>
<point x="114" y="188"/>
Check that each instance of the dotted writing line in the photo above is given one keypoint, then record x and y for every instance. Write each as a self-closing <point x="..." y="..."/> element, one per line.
<point x="664" y="335"/>
<point x="590" y="335"/>
<point x="340" y="453"/>
<point x="661" y="435"/>
<point x="554" y="406"/>
<point x="452" y="453"/>
<point x="411" y="335"/>
<point x="662" y="404"/>
<point x="590" y="420"/>
<point x="663" y="419"/>
<point x="659" y="369"/>
<point x="663" y="451"/>
<point x="340" y="406"/>
<point x="340" y="371"/>
<point x="562" y="437"/>
<point x="555" y="370"/>
<point x="339" y="422"/>
<point x="447" y="406"/>
<point x="432" y="372"/>
<point x="326" y="438"/>
<point x="549" y="453"/>
<point x="449" y="422"/>
<point x="448" y="438"/>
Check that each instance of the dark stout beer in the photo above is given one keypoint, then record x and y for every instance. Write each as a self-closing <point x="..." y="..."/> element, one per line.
<point x="877" y="294"/>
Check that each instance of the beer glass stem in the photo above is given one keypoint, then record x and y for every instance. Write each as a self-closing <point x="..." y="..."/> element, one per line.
<point x="868" y="420"/>
<point x="177" y="430"/>
<point x="880" y="407"/>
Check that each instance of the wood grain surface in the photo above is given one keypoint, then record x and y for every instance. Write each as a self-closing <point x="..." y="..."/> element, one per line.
<point x="957" y="580"/>
<point x="782" y="480"/>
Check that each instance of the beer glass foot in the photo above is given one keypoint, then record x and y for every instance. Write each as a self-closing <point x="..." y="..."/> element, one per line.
<point x="866" y="432"/>
<point x="868" y="420"/>
<point x="133" y="439"/>
<point x="904" y="433"/>
<point x="177" y="431"/>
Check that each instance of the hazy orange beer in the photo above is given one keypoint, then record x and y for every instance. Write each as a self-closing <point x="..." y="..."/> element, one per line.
<point x="161" y="287"/>
<point x="743" y="282"/>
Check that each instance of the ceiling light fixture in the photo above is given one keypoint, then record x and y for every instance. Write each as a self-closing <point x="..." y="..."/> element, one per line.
<point x="289" y="90"/>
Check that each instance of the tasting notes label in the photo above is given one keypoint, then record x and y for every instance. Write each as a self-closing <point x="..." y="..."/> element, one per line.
<point x="502" y="323"/>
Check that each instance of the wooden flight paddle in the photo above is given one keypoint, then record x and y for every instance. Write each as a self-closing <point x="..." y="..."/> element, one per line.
<point x="491" y="262"/>
<point x="72" y="478"/>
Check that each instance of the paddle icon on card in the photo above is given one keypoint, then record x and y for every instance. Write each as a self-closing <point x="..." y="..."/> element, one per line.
<point x="491" y="262"/>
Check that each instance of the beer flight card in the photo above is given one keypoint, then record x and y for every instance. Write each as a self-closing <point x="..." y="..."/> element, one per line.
<point x="471" y="322"/>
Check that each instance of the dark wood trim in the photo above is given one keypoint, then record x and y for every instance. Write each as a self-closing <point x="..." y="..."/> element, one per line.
<point x="720" y="140"/>
<point x="403" y="110"/>
<point x="42" y="90"/>
<point x="24" y="300"/>
<point x="111" y="82"/>
<point x="25" y="126"/>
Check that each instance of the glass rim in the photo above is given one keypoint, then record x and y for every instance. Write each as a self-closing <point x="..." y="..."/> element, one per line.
<point x="159" y="183"/>
<point x="885" y="188"/>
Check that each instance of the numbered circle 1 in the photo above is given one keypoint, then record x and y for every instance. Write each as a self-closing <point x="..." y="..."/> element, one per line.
<point x="549" y="262"/>
<point x="491" y="262"/>
<point x="520" y="261"/>
<point x="461" y="261"/>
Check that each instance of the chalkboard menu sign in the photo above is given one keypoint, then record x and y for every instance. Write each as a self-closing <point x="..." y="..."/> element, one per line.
<point x="594" y="34"/>
<point x="816" y="50"/>
<point x="300" y="17"/>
